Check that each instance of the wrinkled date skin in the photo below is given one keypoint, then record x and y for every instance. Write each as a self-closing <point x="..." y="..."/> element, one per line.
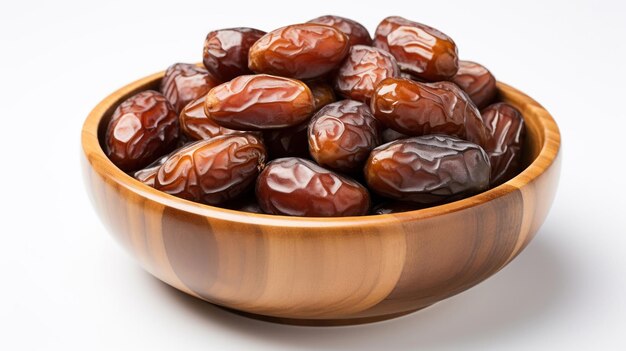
<point x="184" y="82"/>
<point x="212" y="171"/>
<point x="195" y="124"/>
<point x="362" y="70"/>
<point x="506" y="137"/>
<point x="428" y="170"/>
<point x="323" y="94"/>
<point x="297" y="187"/>
<point x="477" y="82"/>
<point x="420" y="50"/>
<point x="225" y="53"/>
<point x="142" y="128"/>
<point x="148" y="174"/>
<point x="357" y="34"/>
<point x="287" y="142"/>
<point x="257" y="102"/>
<point x="342" y="134"/>
<point x="301" y="51"/>
<point x="416" y="109"/>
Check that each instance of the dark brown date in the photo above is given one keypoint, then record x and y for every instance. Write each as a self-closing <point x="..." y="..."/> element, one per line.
<point x="225" y="53"/>
<point x="506" y="128"/>
<point x="477" y="82"/>
<point x="323" y="94"/>
<point x="184" y="82"/>
<point x="357" y="34"/>
<point x="195" y="124"/>
<point x="257" y="102"/>
<point x="142" y="128"/>
<point x="362" y="70"/>
<point x="148" y="174"/>
<point x="420" y="50"/>
<point x="394" y="206"/>
<point x="416" y="109"/>
<point x="342" y="134"/>
<point x="212" y="171"/>
<point x="301" y="51"/>
<point x="297" y="187"/>
<point x="288" y="142"/>
<point x="391" y="135"/>
<point x="429" y="169"/>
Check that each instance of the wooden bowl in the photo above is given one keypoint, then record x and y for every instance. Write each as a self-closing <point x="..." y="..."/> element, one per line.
<point x="324" y="271"/>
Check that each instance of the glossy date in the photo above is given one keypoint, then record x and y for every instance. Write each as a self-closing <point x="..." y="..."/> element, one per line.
<point x="506" y="129"/>
<point x="142" y="128"/>
<point x="357" y="34"/>
<point x="342" y="134"/>
<point x="301" y="51"/>
<point x="184" y="82"/>
<point x="225" y="53"/>
<point x="297" y="187"/>
<point x="323" y="94"/>
<point x="212" y="171"/>
<point x="195" y="124"/>
<point x="420" y="50"/>
<point x="429" y="169"/>
<point x="362" y="70"/>
<point x="477" y="82"/>
<point x="257" y="102"/>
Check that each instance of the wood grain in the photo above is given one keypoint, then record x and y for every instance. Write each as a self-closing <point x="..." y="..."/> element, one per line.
<point x="324" y="271"/>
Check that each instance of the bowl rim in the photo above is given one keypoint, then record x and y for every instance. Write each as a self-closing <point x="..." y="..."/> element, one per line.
<point x="97" y="160"/>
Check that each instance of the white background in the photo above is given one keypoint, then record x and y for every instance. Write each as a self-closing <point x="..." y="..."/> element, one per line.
<point x="65" y="284"/>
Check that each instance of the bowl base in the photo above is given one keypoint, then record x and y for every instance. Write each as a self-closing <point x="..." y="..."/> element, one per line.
<point x="320" y="322"/>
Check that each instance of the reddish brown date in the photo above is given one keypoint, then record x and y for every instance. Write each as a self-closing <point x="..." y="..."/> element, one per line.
<point x="184" y="82"/>
<point x="477" y="82"/>
<point x="420" y="50"/>
<point x="418" y="109"/>
<point x="342" y="134"/>
<point x="301" y="51"/>
<point x="323" y="94"/>
<point x="257" y="102"/>
<point x="362" y="70"/>
<point x="142" y="128"/>
<point x="297" y="187"/>
<point x="428" y="170"/>
<point x="148" y="174"/>
<point x="212" y="171"/>
<point x="506" y="137"/>
<point x="195" y="124"/>
<point x="357" y="34"/>
<point x="288" y="142"/>
<point x="225" y="53"/>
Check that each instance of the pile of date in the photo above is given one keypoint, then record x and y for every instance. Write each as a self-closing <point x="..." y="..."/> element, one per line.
<point x="318" y="119"/>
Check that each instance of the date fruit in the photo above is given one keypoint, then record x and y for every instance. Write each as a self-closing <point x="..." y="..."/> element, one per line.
<point x="429" y="169"/>
<point x="297" y="187"/>
<point x="225" y="53"/>
<point x="416" y="109"/>
<point x="257" y="102"/>
<point x="506" y="128"/>
<point x="342" y="134"/>
<point x="323" y="94"/>
<point x="477" y="82"/>
<point x="142" y="128"/>
<point x="148" y="174"/>
<point x="184" y="82"/>
<point x="420" y="50"/>
<point x="357" y="34"/>
<point x="362" y="70"/>
<point x="212" y="171"/>
<point x="195" y="124"/>
<point x="301" y="51"/>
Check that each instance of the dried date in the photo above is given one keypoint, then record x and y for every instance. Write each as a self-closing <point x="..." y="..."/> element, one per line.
<point x="257" y="102"/>
<point x="357" y="34"/>
<point x="195" y="124"/>
<point x="184" y="82"/>
<point x="297" y="187"/>
<point x="323" y="94"/>
<point x="301" y="51"/>
<point x="420" y="50"/>
<point x="225" y="53"/>
<point x="477" y="82"/>
<point x="342" y="134"/>
<point x="212" y="171"/>
<point x="429" y="169"/>
<point x="362" y="70"/>
<point x="142" y="128"/>
<point x="506" y="128"/>
<point x="148" y="174"/>
<point x="416" y="109"/>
